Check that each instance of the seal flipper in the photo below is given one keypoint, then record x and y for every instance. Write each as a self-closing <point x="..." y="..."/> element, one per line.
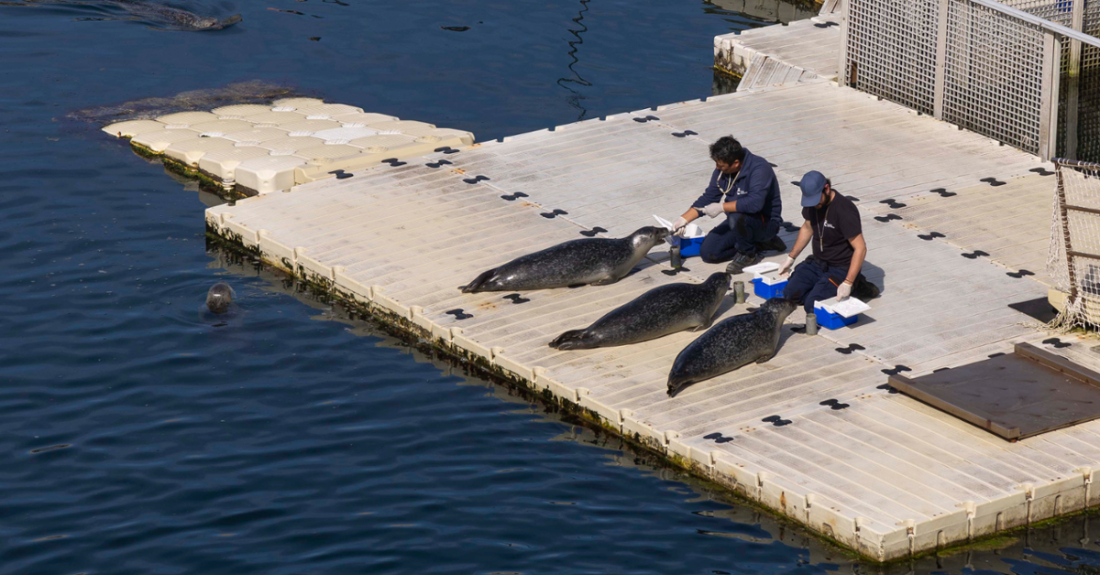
<point x="573" y="339"/>
<point x="767" y="357"/>
<point x="705" y="326"/>
<point x="479" y="282"/>
<point x="604" y="282"/>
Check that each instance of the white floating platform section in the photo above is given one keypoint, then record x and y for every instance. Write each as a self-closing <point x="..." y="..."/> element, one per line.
<point x="802" y="51"/>
<point x="261" y="149"/>
<point x="886" y="475"/>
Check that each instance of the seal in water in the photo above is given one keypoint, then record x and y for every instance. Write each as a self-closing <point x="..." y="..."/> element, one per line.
<point x="656" y="313"/>
<point x="732" y="343"/>
<point x="596" y="261"/>
<point x="219" y="298"/>
<point x="168" y="17"/>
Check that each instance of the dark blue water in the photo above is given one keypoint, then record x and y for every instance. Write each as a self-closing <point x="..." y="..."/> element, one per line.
<point x="141" y="435"/>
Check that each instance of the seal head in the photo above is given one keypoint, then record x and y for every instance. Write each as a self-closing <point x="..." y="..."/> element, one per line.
<point x="219" y="298"/>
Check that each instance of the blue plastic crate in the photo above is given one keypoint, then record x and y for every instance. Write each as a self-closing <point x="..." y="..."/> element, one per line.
<point x="690" y="246"/>
<point x="765" y="291"/>
<point x="833" y="320"/>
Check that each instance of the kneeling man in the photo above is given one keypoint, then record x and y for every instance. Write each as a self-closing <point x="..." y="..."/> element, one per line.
<point x="742" y="188"/>
<point x="832" y="225"/>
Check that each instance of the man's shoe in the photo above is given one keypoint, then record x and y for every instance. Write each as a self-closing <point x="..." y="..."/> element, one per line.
<point x="742" y="261"/>
<point x="775" y="244"/>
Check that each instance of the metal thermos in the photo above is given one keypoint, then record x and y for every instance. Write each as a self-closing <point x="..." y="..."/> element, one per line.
<point x="739" y="292"/>
<point x="674" y="257"/>
<point x="811" y="324"/>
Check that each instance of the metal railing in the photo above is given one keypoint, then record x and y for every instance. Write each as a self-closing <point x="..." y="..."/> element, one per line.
<point x="1024" y="78"/>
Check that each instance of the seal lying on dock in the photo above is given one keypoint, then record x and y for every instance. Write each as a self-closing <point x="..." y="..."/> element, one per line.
<point x="656" y="313"/>
<point x="732" y="343"/>
<point x="596" y="261"/>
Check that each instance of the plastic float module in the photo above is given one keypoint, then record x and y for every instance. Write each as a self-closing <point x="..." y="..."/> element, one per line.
<point x="293" y="141"/>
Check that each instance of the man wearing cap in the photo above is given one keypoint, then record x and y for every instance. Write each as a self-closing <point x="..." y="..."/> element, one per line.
<point x="742" y="188"/>
<point x="832" y="226"/>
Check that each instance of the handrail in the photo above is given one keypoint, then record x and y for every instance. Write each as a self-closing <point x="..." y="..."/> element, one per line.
<point x="1040" y="22"/>
<point x="1075" y="163"/>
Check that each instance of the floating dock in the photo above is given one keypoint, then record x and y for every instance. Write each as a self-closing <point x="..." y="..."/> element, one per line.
<point x="255" y="149"/>
<point x="394" y="216"/>
<point x="886" y="475"/>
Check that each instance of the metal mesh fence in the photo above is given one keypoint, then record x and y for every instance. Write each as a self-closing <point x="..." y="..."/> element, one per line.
<point x="890" y="51"/>
<point x="994" y="74"/>
<point x="1088" y="113"/>
<point x="992" y="63"/>
<point x="1074" y="258"/>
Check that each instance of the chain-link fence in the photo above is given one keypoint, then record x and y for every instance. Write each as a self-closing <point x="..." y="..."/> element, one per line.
<point x="1074" y="258"/>
<point x="994" y="69"/>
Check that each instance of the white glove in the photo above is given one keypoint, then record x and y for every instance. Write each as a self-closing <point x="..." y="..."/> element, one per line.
<point x="843" y="291"/>
<point x="714" y="210"/>
<point x="679" y="226"/>
<point x="785" y="269"/>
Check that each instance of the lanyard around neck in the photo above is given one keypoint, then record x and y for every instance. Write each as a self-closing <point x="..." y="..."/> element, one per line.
<point x="821" y="226"/>
<point x="729" y="183"/>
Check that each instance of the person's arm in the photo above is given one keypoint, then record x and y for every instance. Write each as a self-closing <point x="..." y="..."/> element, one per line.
<point x="860" y="248"/>
<point x="711" y="195"/>
<point x="805" y="234"/>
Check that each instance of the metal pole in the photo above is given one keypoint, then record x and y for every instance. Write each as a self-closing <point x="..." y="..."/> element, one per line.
<point x="1048" y="107"/>
<point x="1073" y="69"/>
<point x="941" y="60"/>
<point x="842" y="64"/>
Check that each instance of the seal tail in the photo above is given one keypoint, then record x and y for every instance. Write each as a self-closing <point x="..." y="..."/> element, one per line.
<point x="479" y="282"/>
<point x="573" y="339"/>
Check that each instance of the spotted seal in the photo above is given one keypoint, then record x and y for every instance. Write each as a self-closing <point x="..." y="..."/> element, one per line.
<point x="166" y="17"/>
<point x="730" y="344"/>
<point x="219" y="298"/>
<point x="596" y="261"/>
<point x="173" y="18"/>
<point x="656" y="313"/>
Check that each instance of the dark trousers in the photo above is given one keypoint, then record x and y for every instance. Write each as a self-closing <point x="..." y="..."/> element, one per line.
<point x="739" y="233"/>
<point x="812" y="282"/>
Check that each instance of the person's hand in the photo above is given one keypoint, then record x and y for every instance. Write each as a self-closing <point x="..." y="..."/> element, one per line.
<point x="679" y="226"/>
<point x="714" y="210"/>
<point x="843" y="291"/>
<point x="785" y="269"/>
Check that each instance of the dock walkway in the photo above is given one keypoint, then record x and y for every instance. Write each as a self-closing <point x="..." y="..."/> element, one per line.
<point x="888" y="476"/>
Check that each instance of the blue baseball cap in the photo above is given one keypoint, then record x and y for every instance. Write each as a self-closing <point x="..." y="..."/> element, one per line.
<point x="812" y="184"/>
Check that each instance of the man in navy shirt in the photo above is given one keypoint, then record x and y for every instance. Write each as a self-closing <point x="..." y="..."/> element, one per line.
<point x="744" y="190"/>
<point x="833" y="227"/>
